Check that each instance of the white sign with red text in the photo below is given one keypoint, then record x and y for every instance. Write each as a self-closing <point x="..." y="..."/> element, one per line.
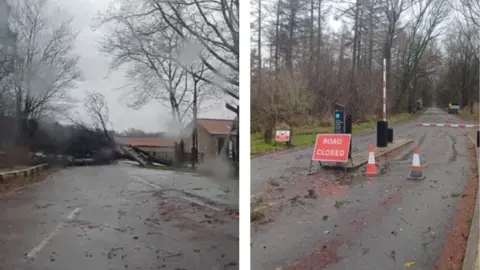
<point x="282" y="136"/>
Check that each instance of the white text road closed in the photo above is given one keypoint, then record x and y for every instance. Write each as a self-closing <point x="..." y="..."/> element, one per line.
<point x="332" y="148"/>
<point x="332" y="141"/>
<point x="330" y="153"/>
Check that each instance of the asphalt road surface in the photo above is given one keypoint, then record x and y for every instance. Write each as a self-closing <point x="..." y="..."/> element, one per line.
<point x="119" y="217"/>
<point x="370" y="224"/>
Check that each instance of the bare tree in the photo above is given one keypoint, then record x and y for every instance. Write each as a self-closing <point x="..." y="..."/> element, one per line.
<point x="46" y="68"/>
<point x="148" y="50"/>
<point x="161" y="62"/>
<point x="423" y="30"/>
<point x="345" y="65"/>
<point x="7" y="57"/>
<point x="97" y="107"/>
<point x="471" y="10"/>
<point x="459" y="79"/>
<point x="292" y="100"/>
<point x="197" y="85"/>
<point x="394" y="10"/>
<point x="213" y="24"/>
<point x="7" y="41"/>
<point x="257" y="37"/>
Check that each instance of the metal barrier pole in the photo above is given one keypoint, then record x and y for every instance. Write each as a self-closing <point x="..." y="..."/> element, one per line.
<point x="478" y="138"/>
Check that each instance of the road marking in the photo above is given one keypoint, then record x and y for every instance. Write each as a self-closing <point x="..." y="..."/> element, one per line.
<point x="74" y="214"/>
<point x="199" y="203"/>
<point x="145" y="182"/>
<point x="447" y="125"/>
<point x="31" y="255"/>
<point x="180" y="196"/>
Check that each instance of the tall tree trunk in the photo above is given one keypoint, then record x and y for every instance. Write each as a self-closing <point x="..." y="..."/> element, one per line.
<point x="259" y="45"/>
<point x="353" y="89"/>
<point x="277" y="33"/>
<point x="319" y="34"/>
<point x="312" y="29"/>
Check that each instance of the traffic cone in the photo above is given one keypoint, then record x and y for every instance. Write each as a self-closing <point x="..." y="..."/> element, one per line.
<point x="416" y="171"/>
<point x="371" y="167"/>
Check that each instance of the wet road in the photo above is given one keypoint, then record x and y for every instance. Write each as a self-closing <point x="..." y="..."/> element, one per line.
<point x="379" y="223"/>
<point x="296" y="163"/>
<point x="120" y="217"/>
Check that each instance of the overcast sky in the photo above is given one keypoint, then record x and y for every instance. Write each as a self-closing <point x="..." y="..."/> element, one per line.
<point x="94" y="64"/>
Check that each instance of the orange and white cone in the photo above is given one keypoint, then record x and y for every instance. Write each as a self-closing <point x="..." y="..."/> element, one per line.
<point x="416" y="171"/>
<point x="371" y="167"/>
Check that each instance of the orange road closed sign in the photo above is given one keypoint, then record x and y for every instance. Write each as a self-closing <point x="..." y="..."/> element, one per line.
<point x="332" y="148"/>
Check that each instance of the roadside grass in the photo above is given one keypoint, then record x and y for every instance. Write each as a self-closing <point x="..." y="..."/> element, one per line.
<point x="465" y="114"/>
<point x="256" y="214"/>
<point x="306" y="136"/>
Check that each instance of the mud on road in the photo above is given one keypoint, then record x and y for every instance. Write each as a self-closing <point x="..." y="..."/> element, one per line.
<point x="105" y="218"/>
<point x="319" y="222"/>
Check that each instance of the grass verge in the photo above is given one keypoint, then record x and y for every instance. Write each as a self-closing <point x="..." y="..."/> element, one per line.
<point x="306" y="136"/>
<point x="465" y="114"/>
<point x="256" y="213"/>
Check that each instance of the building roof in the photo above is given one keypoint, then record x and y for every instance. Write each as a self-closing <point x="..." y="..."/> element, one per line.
<point x="216" y="126"/>
<point x="144" y="142"/>
<point x="211" y="126"/>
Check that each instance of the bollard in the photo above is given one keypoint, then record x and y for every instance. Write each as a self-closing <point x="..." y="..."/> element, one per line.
<point x="478" y="138"/>
<point x="382" y="134"/>
<point x="390" y="135"/>
<point x="349" y="130"/>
